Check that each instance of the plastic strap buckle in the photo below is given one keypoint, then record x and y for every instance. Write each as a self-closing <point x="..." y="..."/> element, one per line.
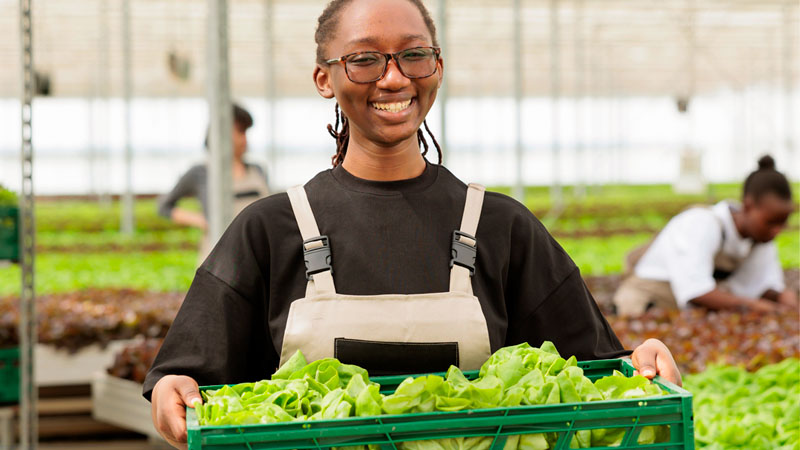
<point x="462" y="253"/>
<point x="317" y="259"/>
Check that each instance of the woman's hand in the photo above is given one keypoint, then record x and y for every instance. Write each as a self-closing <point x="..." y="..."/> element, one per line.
<point x="654" y="358"/>
<point x="190" y="218"/>
<point x="788" y="298"/>
<point x="169" y="399"/>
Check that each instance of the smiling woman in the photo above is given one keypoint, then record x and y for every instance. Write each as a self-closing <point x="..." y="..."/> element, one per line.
<point x="376" y="261"/>
<point x="386" y="96"/>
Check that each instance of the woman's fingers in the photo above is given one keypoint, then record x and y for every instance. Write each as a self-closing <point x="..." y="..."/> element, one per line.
<point x="170" y="397"/>
<point x="654" y="358"/>
<point x="666" y="367"/>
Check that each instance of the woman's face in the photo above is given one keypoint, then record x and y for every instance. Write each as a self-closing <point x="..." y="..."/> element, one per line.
<point x="388" y="111"/>
<point x="765" y="218"/>
<point x="239" y="135"/>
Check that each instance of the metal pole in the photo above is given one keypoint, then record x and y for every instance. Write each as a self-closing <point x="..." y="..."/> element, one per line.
<point x="91" y="148"/>
<point x="691" y="70"/>
<point x="749" y="116"/>
<point x="220" y="118"/>
<point x="594" y="83"/>
<point x="740" y="129"/>
<point x="104" y="73"/>
<point x="555" y="110"/>
<point x="28" y="429"/>
<point x="773" y="88"/>
<point x="269" y="62"/>
<point x="127" y="206"/>
<point x="97" y="91"/>
<point x="518" y="192"/>
<point x="580" y="88"/>
<point x="443" y="89"/>
<point x="788" y="78"/>
<point x="612" y="132"/>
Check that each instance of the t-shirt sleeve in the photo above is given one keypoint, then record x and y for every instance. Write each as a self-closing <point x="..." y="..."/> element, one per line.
<point x="548" y="300"/>
<point x="220" y="334"/>
<point x="760" y="272"/>
<point x="688" y="248"/>
<point x="185" y="187"/>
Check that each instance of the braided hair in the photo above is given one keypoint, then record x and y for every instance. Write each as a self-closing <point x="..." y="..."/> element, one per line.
<point x="342" y="137"/>
<point x="766" y="180"/>
<point x="326" y="27"/>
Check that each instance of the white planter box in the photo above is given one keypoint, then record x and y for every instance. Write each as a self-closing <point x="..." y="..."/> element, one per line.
<point x="58" y="367"/>
<point x="119" y="402"/>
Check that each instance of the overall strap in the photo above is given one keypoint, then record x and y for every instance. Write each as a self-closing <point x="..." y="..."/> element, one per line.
<point x="316" y="248"/>
<point x="464" y="245"/>
<point x="724" y="264"/>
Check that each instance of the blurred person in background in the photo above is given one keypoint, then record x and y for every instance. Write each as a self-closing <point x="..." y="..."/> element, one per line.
<point x="718" y="257"/>
<point x="249" y="184"/>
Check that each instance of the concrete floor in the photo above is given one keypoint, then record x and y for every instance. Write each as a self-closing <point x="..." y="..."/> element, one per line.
<point x="128" y="444"/>
<point x="111" y="444"/>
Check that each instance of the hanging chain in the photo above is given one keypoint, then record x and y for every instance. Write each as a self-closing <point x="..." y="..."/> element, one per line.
<point x="27" y="321"/>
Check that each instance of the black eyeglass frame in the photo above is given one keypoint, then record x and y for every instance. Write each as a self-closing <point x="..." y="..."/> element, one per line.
<point x="437" y="51"/>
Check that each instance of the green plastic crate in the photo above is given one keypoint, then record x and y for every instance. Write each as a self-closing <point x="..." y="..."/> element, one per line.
<point x="9" y="233"/>
<point x="674" y="410"/>
<point x="9" y="375"/>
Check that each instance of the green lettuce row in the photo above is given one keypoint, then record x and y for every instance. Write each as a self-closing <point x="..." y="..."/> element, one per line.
<point x="736" y="409"/>
<point x="513" y="376"/>
<point x="7" y="197"/>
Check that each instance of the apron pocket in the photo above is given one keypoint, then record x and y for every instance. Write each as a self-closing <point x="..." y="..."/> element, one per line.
<point x="397" y="358"/>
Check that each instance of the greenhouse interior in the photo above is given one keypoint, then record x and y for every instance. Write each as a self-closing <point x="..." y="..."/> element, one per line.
<point x="165" y="286"/>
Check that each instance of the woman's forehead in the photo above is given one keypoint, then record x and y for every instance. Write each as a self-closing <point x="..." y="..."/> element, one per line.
<point x="381" y="22"/>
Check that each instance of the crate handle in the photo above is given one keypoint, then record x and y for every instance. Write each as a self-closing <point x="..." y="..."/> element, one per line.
<point x="246" y="442"/>
<point x="629" y="434"/>
<point x="497" y="433"/>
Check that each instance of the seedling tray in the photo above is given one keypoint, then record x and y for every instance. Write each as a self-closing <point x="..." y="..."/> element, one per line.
<point x="389" y="431"/>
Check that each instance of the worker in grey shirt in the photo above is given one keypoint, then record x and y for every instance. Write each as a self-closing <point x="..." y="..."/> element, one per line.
<point x="249" y="184"/>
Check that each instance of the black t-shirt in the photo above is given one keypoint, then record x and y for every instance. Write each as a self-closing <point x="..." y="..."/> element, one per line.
<point x="386" y="238"/>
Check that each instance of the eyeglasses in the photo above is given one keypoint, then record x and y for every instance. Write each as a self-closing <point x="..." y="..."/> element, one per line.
<point x="368" y="67"/>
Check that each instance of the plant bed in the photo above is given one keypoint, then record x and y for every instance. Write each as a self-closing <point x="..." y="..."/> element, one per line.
<point x="735" y="409"/>
<point x="133" y="361"/>
<point x="65" y="273"/>
<point x="62" y="367"/>
<point x="119" y="402"/>
<point x="76" y="320"/>
<point x="698" y="338"/>
<point x="117" y="390"/>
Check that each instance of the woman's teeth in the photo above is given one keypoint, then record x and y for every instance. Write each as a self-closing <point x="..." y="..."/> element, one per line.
<point x="392" y="107"/>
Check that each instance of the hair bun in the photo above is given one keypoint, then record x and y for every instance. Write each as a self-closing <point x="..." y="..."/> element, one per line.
<point x="766" y="163"/>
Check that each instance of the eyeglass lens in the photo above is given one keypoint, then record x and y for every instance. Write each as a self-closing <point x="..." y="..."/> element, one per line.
<point x="370" y="66"/>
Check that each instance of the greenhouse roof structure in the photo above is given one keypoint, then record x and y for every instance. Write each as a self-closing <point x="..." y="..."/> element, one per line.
<point x="569" y="47"/>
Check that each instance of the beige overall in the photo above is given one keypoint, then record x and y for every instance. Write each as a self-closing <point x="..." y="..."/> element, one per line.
<point x="635" y="295"/>
<point x="246" y="190"/>
<point x="316" y="321"/>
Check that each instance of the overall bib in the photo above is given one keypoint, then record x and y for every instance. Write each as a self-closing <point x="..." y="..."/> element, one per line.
<point x="246" y="190"/>
<point x="636" y="295"/>
<point x="391" y="333"/>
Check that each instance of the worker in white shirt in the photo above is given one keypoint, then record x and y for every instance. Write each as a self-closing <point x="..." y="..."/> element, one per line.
<point x="719" y="257"/>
